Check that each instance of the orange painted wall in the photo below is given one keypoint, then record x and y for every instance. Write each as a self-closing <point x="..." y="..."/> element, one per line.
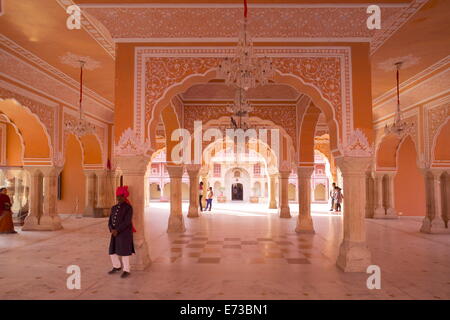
<point x="442" y="148"/>
<point x="409" y="182"/>
<point x="14" y="148"/>
<point x="73" y="180"/>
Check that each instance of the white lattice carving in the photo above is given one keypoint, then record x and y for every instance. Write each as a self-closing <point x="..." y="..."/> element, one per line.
<point x="131" y="145"/>
<point x="357" y="145"/>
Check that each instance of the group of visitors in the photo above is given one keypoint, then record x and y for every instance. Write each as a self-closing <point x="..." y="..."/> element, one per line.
<point x="209" y="198"/>
<point x="336" y="198"/>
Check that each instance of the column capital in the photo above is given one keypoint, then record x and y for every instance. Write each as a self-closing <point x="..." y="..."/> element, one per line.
<point x="305" y="172"/>
<point x="285" y="174"/>
<point x="132" y="165"/>
<point x="353" y="165"/>
<point x="193" y="170"/>
<point x="175" y="171"/>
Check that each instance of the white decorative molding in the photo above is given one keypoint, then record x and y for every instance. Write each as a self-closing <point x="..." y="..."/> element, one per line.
<point x="385" y="33"/>
<point x="73" y="60"/>
<point x="179" y="68"/>
<point x="407" y="62"/>
<point x="357" y="145"/>
<point x="94" y="29"/>
<point x="412" y="82"/>
<point x="130" y="144"/>
<point x="56" y="74"/>
<point x="58" y="159"/>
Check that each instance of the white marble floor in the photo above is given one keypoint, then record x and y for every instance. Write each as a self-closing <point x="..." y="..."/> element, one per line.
<point x="238" y="251"/>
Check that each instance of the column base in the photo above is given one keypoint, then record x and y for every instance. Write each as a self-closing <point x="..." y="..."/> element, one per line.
<point x="391" y="213"/>
<point x="193" y="212"/>
<point x="45" y="223"/>
<point x="89" y="212"/>
<point x="176" y="224"/>
<point x="305" y="226"/>
<point x="141" y="259"/>
<point x="379" y="213"/>
<point x="433" y="226"/>
<point x="284" y="212"/>
<point x="353" y="257"/>
<point x="273" y="205"/>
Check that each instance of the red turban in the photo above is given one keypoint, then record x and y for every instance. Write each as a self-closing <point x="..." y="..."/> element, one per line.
<point x="123" y="191"/>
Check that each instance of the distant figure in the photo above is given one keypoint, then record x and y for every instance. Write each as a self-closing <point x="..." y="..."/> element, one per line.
<point x="338" y="198"/>
<point x="6" y="221"/>
<point x="121" y="228"/>
<point x="209" y="199"/>
<point x="332" y="192"/>
<point x="200" y="195"/>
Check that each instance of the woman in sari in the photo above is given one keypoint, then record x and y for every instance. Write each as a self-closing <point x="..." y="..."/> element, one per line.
<point x="6" y="221"/>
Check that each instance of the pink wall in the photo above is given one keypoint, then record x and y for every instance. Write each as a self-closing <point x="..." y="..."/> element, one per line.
<point x="409" y="182"/>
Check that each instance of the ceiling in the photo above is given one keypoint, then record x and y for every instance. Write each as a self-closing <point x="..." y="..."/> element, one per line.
<point x="39" y="27"/>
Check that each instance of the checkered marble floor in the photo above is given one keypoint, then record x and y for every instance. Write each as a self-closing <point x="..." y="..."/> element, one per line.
<point x="198" y="247"/>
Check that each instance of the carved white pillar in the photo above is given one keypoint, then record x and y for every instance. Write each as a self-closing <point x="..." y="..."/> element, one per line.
<point x="133" y="171"/>
<point x="304" y="221"/>
<point x="354" y="255"/>
<point x="204" y="178"/>
<point x="391" y="213"/>
<point x="176" y="222"/>
<point x="49" y="220"/>
<point x="380" y="211"/>
<point x="90" y="193"/>
<point x="433" y="216"/>
<point x="193" y="172"/>
<point x="101" y="189"/>
<point x="32" y="220"/>
<point x="272" y="186"/>
<point x="284" y="210"/>
<point x="18" y="188"/>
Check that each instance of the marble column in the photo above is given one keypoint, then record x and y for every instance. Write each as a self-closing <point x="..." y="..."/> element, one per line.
<point x="284" y="210"/>
<point x="391" y="213"/>
<point x="304" y="221"/>
<point x="90" y="193"/>
<point x="133" y="171"/>
<point x="176" y="222"/>
<point x="433" y="216"/>
<point x="272" y="186"/>
<point x="18" y="188"/>
<point x="32" y="219"/>
<point x="101" y="189"/>
<point x="49" y="220"/>
<point x="380" y="211"/>
<point x="354" y="255"/>
<point x="193" y="172"/>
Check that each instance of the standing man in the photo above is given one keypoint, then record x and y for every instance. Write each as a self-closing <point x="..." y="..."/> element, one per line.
<point x="6" y="221"/>
<point x="209" y="199"/>
<point x="200" y="195"/>
<point x="121" y="228"/>
<point x="332" y="193"/>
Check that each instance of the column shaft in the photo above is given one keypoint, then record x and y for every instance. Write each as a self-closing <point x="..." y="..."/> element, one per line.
<point x="272" y="186"/>
<point x="176" y="222"/>
<point x="193" y="171"/>
<point x="354" y="256"/>
<point x="304" y="221"/>
<point x="284" y="210"/>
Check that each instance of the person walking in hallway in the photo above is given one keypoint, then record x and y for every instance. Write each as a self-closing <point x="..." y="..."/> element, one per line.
<point x="6" y="221"/>
<point x="200" y="195"/>
<point x="209" y="199"/>
<point x="338" y="198"/>
<point x="332" y="193"/>
<point x="121" y="228"/>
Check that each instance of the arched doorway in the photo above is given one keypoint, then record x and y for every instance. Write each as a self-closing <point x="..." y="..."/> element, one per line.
<point x="237" y="192"/>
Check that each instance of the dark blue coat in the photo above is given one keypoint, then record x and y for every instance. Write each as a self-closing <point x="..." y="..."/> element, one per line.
<point x="120" y="220"/>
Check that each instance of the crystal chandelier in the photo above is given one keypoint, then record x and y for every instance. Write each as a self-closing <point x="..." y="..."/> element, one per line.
<point x="80" y="127"/>
<point x="240" y="110"/>
<point x="399" y="127"/>
<point x="245" y="70"/>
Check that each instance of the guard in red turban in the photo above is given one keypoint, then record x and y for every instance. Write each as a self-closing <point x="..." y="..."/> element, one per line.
<point x="121" y="228"/>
